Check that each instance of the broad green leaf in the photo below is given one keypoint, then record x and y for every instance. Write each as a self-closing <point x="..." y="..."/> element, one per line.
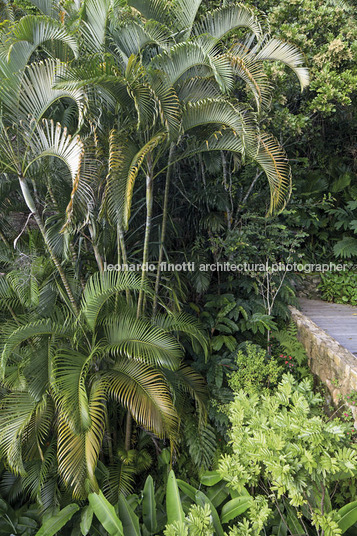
<point x="187" y="489"/>
<point x="218" y="493"/>
<point x="86" y="519"/>
<point x="56" y="522"/>
<point x="149" y="505"/>
<point x="210" y="478"/>
<point x="201" y="500"/>
<point x="174" y="508"/>
<point x="348" y="516"/>
<point x="128" y="517"/>
<point x="235" y="507"/>
<point x="105" y="513"/>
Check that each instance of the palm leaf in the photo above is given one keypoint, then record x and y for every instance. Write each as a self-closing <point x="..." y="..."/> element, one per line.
<point x="218" y="112"/>
<point x="37" y="93"/>
<point x="16" y="410"/>
<point x="220" y="22"/>
<point x="30" y="330"/>
<point x="191" y="59"/>
<point x="30" y="33"/>
<point x="138" y="339"/>
<point x="69" y="373"/>
<point x="144" y="392"/>
<point x="152" y="9"/>
<point x="78" y="453"/>
<point x="275" y="50"/>
<point x="95" y="27"/>
<point x="101" y="286"/>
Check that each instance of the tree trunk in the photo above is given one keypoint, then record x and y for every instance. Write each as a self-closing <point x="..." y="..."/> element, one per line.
<point x="163" y="227"/>
<point x="31" y="205"/>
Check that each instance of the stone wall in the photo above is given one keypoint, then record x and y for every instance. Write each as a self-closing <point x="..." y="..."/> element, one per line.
<point x="332" y="363"/>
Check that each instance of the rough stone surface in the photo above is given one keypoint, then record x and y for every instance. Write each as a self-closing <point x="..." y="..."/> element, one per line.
<point x="307" y="286"/>
<point x="332" y="363"/>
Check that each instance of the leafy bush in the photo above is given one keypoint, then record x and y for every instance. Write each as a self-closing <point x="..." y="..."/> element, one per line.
<point x="291" y="456"/>
<point x="339" y="287"/>
<point x="256" y="370"/>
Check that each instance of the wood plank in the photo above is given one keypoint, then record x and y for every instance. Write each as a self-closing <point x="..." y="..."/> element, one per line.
<point x="338" y="320"/>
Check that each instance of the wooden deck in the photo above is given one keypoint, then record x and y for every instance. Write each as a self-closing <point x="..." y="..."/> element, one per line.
<point x="339" y="321"/>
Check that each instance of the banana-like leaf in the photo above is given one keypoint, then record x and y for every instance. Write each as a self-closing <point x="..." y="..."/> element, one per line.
<point x="105" y="513"/>
<point x="57" y="521"/>
<point x="86" y="520"/>
<point x="235" y="507"/>
<point x="149" y="505"/>
<point x="220" y="22"/>
<point x="101" y="286"/>
<point x="187" y="489"/>
<point x="174" y="508"/>
<point x="210" y="478"/>
<point x="347" y="516"/>
<point x="128" y="518"/>
<point x="201" y="500"/>
<point x="144" y="392"/>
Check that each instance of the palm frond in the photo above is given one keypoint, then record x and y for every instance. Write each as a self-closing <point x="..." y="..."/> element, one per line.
<point x="30" y="33"/>
<point x="30" y="330"/>
<point x="95" y="27"/>
<point x="145" y="393"/>
<point x="16" y="410"/>
<point x="185" y="58"/>
<point x="78" y="453"/>
<point x="276" y="50"/>
<point x="70" y="369"/>
<point x="152" y="10"/>
<point x="220" y="22"/>
<point x="137" y="339"/>
<point x="101" y="286"/>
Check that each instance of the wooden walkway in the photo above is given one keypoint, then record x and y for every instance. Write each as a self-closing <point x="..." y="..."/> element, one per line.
<point x="339" y="321"/>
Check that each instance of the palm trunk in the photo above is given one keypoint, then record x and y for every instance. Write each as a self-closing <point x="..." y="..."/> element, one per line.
<point x="149" y="204"/>
<point x="97" y="255"/>
<point x="163" y="227"/>
<point x="31" y="206"/>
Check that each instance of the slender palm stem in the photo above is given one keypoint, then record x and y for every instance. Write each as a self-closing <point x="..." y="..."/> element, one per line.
<point x="149" y="205"/>
<point x="32" y="207"/>
<point x="163" y="227"/>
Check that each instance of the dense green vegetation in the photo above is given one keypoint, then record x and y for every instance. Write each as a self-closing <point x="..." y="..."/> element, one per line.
<point x="150" y="400"/>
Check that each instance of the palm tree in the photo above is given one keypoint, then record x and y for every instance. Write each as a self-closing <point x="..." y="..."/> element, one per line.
<point x="61" y="375"/>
